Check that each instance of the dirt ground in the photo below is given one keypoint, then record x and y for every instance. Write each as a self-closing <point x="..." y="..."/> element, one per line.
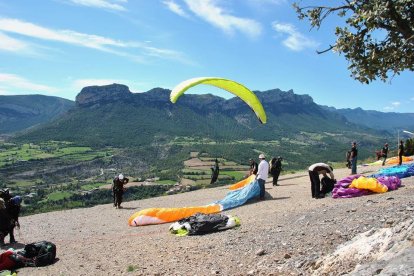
<point x="287" y="234"/>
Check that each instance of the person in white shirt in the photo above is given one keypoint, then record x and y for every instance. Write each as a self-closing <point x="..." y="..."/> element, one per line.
<point x="314" y="171"/>
<point x="262" y="174"/>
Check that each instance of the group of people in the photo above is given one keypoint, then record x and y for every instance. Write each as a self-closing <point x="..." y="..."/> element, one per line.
<point x="384" y="153"/>
<point x="9" y="215"/>
<point x="263" y="169"/>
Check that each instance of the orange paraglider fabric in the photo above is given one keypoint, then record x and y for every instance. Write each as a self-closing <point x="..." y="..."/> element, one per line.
<point x="242" y="183"/>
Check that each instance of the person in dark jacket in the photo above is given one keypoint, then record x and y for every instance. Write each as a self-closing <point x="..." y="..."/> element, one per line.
<point x="400" y="152"/>
<point x="118" y="189"/>
<point x="384" y="153"/>
<point x="314" y="171"/>
<point x="13" y="210"/>
<point x="253" y="167"/>
<point x="275" y="169"/>
<point x="354" y="158"/>
<point x="4" y="221"/>
<point x="215" y="170"/>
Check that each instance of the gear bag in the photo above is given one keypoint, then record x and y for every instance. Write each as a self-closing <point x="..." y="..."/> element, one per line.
<point x="43" y="251"/>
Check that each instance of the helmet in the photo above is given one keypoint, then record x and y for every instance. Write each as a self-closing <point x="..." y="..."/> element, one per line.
<point x="121" y="176"/>
<point x="261" y="156"/>
<point x="16" y="200"/>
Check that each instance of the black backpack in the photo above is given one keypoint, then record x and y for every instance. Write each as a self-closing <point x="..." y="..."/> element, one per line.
<point x="44" y="251"/>
<point x="327" y="185"/>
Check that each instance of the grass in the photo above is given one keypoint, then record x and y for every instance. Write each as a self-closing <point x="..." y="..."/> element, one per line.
<point x="131" y="268"/>
<point x="11" y="154"/>
<point x="91" y="186"/>
<point x="24" y="183"/>
<point x="237" y="175"/>
<point x="58" y="195"/>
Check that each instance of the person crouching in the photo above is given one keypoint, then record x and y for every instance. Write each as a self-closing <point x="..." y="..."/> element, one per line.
<point x="314" y="171"/>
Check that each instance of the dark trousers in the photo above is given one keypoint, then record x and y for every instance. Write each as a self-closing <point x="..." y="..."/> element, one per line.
<point x="400" y="159"/>
<point x="315" y="184"/>
<point x="275" y="175"/>
<point x="118" y="197"/>
<point x="385" y="158"/>
<point x="262" y="187"/>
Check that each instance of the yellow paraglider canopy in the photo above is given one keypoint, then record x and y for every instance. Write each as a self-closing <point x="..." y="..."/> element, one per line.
<point x="231" y="86"/>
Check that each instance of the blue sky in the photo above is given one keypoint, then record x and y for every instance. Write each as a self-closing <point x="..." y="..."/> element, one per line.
<point x="56" y="47"/>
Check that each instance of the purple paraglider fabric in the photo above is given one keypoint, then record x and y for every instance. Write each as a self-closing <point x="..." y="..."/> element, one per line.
<point x="342" y="190"/>
<point x="392" y="182"/>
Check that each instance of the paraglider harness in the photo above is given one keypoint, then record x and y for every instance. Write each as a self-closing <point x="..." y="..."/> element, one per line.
<point x="327" y="184"/>
<point x="43" y="253"/>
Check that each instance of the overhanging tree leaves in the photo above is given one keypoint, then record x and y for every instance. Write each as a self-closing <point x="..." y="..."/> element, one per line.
<point x="377" y="39"/>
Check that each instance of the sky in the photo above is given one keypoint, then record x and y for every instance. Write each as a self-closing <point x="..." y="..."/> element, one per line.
<point x="57" y="47"/>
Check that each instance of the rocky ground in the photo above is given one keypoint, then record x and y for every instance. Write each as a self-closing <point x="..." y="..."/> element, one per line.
<point x="287" y="234"/>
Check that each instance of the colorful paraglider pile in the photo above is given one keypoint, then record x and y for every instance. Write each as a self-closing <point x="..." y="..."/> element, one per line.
<point x="163" y="215"/>
<point x="387" y="179"/>
<point x="400" y="171"/>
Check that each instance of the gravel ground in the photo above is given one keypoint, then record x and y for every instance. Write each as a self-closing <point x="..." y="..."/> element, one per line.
<point x="287" y="234"/>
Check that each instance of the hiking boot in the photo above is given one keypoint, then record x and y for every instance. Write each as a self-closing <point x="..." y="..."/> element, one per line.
<point x="120" y="207"/>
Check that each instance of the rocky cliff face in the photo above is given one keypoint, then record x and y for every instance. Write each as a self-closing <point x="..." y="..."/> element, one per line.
<point x="97" y="95"/>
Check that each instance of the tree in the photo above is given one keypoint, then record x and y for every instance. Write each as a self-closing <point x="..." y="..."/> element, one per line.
<point x="409" y="147"/>
<point x="377" y="39"/>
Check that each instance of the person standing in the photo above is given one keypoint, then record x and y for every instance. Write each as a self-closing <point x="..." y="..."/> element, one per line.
<point x="13" y="209"/>
<point x="354" y="158"/>
<point x="275" y="169"/>
<point x="215" y="170"/>
<point x="384" y="153"/>
<point x="314" y="171"/>
<point x="118" y="189"/>
<point x="262" y="175"/>
<point x="400" y="152"/>
<point x="253" y="167"/>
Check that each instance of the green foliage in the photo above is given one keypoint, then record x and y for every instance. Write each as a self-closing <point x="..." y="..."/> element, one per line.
<point x="376" y="38"/>
<point x="409" y="147"/>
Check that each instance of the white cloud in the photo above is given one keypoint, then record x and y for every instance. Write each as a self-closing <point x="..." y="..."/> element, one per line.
<point x="96" y="42"/>
<point x="175" y="8"/>
<point x="102" y="4"/>
<point x="396" y="104"/>
<point x="12" y="82"/>
<point x="218" y="17"/>
<point x="295" y="41"/>
<point x="10" y="44"/>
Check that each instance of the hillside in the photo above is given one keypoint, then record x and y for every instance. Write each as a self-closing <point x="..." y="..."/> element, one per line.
<point x="148" y="122"/>
<point x="287" y="234"/>
<point x="18" y="113"/>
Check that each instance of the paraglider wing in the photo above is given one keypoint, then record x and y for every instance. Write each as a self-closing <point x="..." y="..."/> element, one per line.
<point x="231" y="86"/>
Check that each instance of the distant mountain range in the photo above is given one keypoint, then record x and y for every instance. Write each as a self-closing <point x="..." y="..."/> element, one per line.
<point x="22" y="112"/>
<point x="390" y="121"/>
<point x="113" y="116"/>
